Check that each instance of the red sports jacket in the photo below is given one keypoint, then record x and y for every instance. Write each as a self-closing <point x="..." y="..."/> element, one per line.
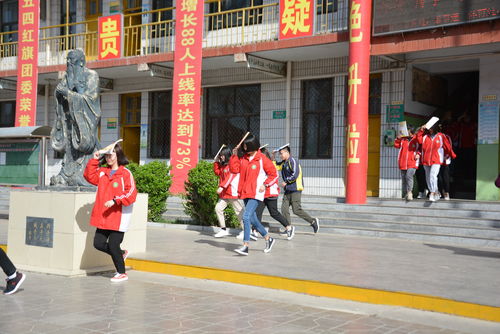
<point x="120" y="187"/>
<point x="408" y="156"/>
<point x="434" y="150"/>
<point x="253" y="174"/>
<point x="227" y="180"/>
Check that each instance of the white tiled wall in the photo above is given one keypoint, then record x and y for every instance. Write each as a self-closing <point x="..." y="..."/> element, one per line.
<point x="393" y="86"/>
<point x="321" y="177"/>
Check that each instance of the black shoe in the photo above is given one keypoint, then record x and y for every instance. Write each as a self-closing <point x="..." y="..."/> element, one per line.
<point x="290" y="233"/>
<point x="269" y="245"/>
<point x="242" y="251"/>
<point x="14" y="284"/>
<point x="315" y="225"/>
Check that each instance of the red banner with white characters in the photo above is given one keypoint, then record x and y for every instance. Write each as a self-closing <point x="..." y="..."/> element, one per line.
<point x="296" y="18"/>
<point x="186" y="93"/>
<point x="358" y="81"/>
<point x="27" y="62"/>
<point x="110" y="36"/>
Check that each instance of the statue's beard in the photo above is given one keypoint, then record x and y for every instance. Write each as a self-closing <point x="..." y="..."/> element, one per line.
<point x="75" y="77"/>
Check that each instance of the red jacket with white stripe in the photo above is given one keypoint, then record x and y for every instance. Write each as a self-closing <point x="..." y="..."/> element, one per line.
<point x="273" y="190"/>
<point x="227" y="181"/>
<point x="254" y="173"/>
<point x="120" y="187"/>
<point x="408" y="156"/>
<point x="434" y="149"/>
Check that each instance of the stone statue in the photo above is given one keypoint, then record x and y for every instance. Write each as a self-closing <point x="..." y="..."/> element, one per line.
<point x="78" y="114"/>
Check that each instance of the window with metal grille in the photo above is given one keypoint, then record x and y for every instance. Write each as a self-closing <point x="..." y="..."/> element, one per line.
<point x="326" y="6"/>
<point x="317" y="102"/>
<point x="375" y="97"/>
<point x="160" y="105"/>
<point x="7" y="114"/>
<point x="231" y="17"/>
<point x="160" y="27"/>
<point x="230" y="112"/>
<point x="8" y="19"/>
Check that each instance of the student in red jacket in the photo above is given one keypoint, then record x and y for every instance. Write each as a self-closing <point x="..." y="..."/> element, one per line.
<point x="257" y="173"/>
<point x="435" y="147"/>
<point x="116" y="194"/>
<point x="408" y="161"/>
<point x="227" y="190"/>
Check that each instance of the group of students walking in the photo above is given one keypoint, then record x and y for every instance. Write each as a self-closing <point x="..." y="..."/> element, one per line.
<point x="249" y="173"/>
<point x="432" y="150"/>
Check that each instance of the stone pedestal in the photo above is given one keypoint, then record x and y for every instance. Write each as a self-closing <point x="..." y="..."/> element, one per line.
<point x="49" y="232"/>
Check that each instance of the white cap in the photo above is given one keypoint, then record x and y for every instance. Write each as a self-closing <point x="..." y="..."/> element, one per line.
<point x="282" y="147"/>
<point x="109" y="149"/>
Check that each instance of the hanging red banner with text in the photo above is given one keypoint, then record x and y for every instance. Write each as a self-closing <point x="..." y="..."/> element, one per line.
<point x="110" y="36"/>
<point x="186" y="94"/>
<point x="358" y="80"/>
<point x="27" y="62"/>
<point x="296" y="18"/>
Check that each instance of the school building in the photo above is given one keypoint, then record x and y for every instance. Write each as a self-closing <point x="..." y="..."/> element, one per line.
<point x="279" y="69"/>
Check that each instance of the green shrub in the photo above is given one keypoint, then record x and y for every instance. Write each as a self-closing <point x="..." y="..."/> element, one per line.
<point x="154" y="179"/>
<point x="201" y="196"/>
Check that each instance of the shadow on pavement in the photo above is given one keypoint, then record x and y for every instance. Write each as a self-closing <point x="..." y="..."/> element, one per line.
<point x="467" y="251"/>
<point x="226" y="245"/>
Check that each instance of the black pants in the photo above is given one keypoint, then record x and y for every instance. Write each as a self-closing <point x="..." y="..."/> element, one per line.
<point x="108" y="241"/>
<point x="7" y="266"/>
<point x="272" y="206"/>
<point x="444" y="179"/>
<point x="421" y="182"/>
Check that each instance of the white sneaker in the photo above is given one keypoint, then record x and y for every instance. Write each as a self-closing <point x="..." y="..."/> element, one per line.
<point x="119" y="278"/>
<point x="432" y="198"/>
<point x="421" y="195"/>
<point x="409" y="196"/>
<point x="446" y="196"/>
<point x="240" y="235"/>
<point x="221" y="233"/>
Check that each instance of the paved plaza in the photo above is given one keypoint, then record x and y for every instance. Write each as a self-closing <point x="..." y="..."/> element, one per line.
<point x="155" y="303"/>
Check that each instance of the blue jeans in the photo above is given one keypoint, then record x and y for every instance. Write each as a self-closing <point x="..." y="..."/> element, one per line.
<point x="250" y="218"/>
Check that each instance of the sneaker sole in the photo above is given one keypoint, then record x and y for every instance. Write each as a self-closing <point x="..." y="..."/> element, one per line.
<point x="241" y="253"/>
<point x="17" y="286"/>
<point x="118" y="281"/>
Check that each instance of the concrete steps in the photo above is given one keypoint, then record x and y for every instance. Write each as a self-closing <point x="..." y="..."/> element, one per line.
<point x="457" y="222"/>
<point x="470" y="223"/>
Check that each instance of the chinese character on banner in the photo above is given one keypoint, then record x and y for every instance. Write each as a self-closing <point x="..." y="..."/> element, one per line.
<point x="352" y="142"/>
<point x="27" y="62"/>
<point x="110" y="36"/>
<point x="296" y="18"/>
<point x="186" y="93"/>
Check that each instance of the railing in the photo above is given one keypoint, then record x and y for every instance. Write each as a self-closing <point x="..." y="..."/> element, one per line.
<point x="152" y="32"/>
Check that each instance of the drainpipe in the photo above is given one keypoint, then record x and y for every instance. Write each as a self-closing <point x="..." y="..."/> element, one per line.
<point x="288" y="119"/>
<point x="46" y="105"/>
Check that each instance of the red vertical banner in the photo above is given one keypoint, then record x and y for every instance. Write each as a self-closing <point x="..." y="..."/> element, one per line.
<point x="296" y="18"/>
<point x="27" y="62"/>
<point x="358" y="81"/>
<point x="186" y="93"/>
<point x="110" y="33"/>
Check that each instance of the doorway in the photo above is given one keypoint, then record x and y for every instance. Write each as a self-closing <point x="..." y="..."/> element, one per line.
<point x="130" y="125"/>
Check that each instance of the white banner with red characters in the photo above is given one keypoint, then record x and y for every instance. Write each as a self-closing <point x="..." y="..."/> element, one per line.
<point x="296" y="18"/>
<point x="186" y="93"/>
<point x="27" y="62"/>
<point x="358" y="81"/>
<point x="110" y="37"/>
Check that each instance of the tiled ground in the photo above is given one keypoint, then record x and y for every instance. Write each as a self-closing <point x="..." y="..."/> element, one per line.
<point x="55" y="304"/>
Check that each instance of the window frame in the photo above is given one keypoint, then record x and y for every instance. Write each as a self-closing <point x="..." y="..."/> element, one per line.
<point x="320" y="115"/>
<point x="153" y="119"/>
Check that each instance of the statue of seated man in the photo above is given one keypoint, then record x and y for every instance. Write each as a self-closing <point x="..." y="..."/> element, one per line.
<point x="78" y="115"/>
